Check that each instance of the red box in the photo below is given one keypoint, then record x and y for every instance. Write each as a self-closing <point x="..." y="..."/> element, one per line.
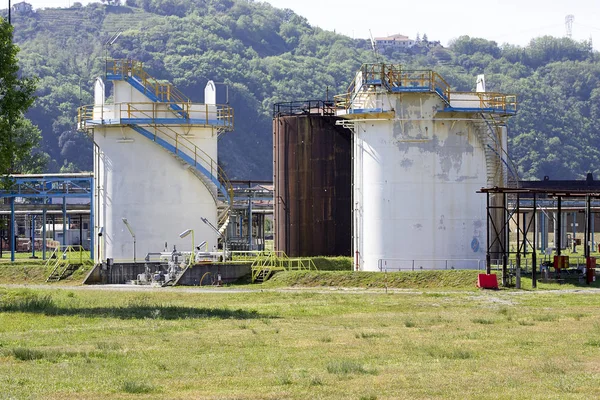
<point x="486" y="281"/>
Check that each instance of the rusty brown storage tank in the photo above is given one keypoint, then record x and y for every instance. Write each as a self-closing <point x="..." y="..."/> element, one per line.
<point x="312" y="175"/>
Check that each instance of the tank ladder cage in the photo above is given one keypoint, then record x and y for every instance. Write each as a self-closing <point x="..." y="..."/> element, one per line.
<point x="504" y="157"/>
<point x="304" y="107"/>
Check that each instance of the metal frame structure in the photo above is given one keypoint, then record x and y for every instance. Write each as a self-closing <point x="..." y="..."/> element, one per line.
<point x="46" y="187"/>
<point x="251" y="198"/>
<point x="506" y="205"/>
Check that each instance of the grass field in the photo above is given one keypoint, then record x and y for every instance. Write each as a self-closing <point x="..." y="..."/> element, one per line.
<point x="310" y="343"/>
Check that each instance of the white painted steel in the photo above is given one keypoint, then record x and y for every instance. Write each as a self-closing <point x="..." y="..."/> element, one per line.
<point x="158" y="194"/>
<point x="415" y="183"/>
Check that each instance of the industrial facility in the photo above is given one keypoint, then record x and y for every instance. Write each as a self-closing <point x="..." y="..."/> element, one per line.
<point x="390" y="173"/>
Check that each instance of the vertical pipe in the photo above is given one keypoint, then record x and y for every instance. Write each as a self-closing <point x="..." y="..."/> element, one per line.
<point x="525" y="231"/>
<point x="574" y="230"/>
<point x="12" y="229"/>
<point x="81" y="231"/>
<point x="250" y="223"/>
<point x="543" y="232"/>
<point x="91" y="229"/>
<point x="518" y="281"/>
<point x="44" y="232"/>
<point x="593" y="230"/>
<point x="32" y="235"/>
<point x="534" y="252"/>
<point x="506" y="223"/>
<point x="64" y="213"/>
<point x="488" y="261"/>
<point x="557" y="240"/>
<point x="588" y="227"/>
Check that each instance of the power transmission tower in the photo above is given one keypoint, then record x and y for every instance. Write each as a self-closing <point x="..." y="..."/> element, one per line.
<point x="569" y="25"/>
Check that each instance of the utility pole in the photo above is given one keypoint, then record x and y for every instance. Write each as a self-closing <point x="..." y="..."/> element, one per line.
<point x="9" y="12"/>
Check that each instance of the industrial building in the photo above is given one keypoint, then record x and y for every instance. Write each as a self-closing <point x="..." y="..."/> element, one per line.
<point x="388" y="173"/>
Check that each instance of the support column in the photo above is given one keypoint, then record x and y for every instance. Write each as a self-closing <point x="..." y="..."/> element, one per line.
<point x="44" y="232"/>
<point x="12" y="229"/>
<point x="250" y="244"/>
<point x="559" y="231"/>
<point x="534" y="253"/>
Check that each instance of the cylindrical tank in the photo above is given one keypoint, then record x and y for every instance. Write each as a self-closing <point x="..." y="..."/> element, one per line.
<point x="420" y="155"/>
<point x="155" y="173"/>
<point x="312" y="179"/>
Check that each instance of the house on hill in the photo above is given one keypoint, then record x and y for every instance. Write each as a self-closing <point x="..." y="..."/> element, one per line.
<point x="395" y="42"/>
<point x="22" y="8"/>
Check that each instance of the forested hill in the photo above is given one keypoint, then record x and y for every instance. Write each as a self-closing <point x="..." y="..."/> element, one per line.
<point x="266" y="55"/>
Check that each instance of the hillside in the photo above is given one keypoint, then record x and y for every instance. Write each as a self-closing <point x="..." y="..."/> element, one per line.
<point x="265" y="55"/>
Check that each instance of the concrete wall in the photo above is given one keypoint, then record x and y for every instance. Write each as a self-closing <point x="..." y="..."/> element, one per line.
<point x="206" y="274"/>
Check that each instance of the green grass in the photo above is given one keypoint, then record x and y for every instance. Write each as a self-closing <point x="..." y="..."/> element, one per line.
<point x="299" y="344"/>
<point x="404" y="280"/>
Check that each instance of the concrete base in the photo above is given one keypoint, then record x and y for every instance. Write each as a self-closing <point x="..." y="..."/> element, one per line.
<point x="202" y="274"/>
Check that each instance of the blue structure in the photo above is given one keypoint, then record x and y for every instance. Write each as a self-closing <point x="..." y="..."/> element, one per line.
<point x="39" y="189"/>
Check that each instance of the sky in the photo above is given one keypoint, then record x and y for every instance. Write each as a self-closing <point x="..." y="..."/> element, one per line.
<point x="504" y="21"/>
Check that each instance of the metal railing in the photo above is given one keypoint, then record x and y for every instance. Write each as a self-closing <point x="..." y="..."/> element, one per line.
<point x="306" y="107"/>
<point x="484" y="101"/>
<point x="62" y="257"/>
<point x="164" y="92"/>
<point x="217" y="115"/>
<point x="393" y="78"/>
<point x="143" y="116"/>
<point x="398" y="264"/>
<point x="279" y="261"/>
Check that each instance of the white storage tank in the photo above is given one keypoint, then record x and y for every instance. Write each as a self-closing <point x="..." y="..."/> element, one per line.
<point x="420" y="154"/>
<point x="155" y="165"/>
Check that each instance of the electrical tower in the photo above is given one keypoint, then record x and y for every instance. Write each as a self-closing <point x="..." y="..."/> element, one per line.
<point x="569" y="25"/>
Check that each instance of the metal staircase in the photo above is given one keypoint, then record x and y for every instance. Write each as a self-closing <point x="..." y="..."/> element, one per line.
<point x="500" y="169"/>
<point x="64" y="262"/>
<point x="205" y="168"/>
<point x="132" y="72"/>
<point x="267" y="263"/>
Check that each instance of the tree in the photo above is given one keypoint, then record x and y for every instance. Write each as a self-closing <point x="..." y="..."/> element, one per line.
<point x="16" y="96"/>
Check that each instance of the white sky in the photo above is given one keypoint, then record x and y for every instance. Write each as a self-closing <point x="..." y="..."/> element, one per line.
<point x="505" y="21"/>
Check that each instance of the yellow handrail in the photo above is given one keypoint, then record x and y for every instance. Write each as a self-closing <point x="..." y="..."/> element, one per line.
<point x="165" y="92"/>
<point x="149" y="112"/>
<point x="394" y="78"/>
<point x="192" y="113"/>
